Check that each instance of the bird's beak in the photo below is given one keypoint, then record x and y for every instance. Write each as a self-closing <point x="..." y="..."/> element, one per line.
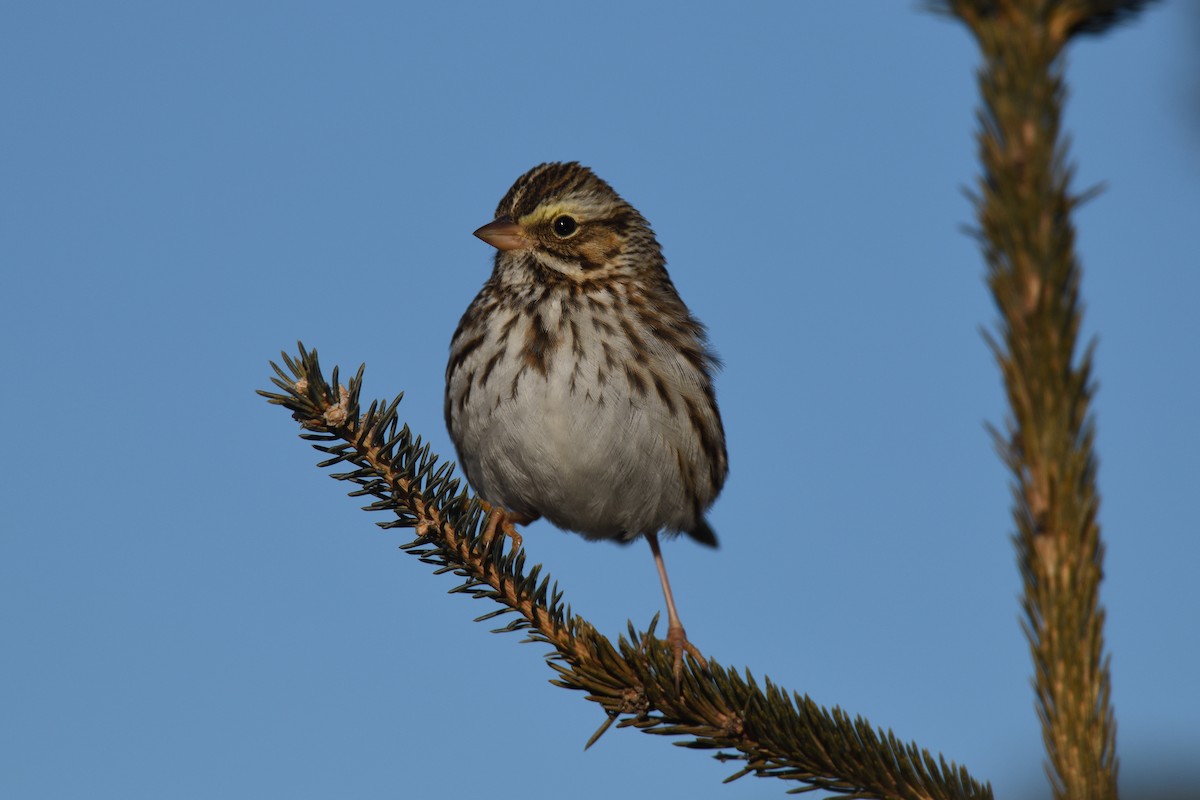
<point x="503" y="234"/>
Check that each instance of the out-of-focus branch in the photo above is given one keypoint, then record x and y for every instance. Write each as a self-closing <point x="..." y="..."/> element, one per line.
<point x="1024" y="205"/>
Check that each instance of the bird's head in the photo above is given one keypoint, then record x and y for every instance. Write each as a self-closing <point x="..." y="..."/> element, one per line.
<point x="567" y="220"/>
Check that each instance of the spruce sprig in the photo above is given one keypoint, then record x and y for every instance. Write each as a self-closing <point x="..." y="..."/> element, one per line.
<point x="772" y="732"/>
<point x="1024" y="205"/>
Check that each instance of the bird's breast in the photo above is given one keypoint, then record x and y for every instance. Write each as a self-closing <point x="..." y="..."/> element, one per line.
<point x="567" y="409"/>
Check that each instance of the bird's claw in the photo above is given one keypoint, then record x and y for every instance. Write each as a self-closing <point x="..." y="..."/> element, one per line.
<point x="499" y="519"/>
<point x="678" y="642"/>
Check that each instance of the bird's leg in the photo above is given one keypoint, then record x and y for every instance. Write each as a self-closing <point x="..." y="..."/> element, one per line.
<point x="676" y="637"/>
<point x="499" y="518"/>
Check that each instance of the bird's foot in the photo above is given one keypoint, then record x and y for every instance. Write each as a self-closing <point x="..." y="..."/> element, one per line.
<point x="678" y="642"/>
<point x="504" y="521"/>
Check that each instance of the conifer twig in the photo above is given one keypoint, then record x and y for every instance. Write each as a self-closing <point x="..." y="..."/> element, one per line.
<point x="1024" y="206"/>
<point x="773" y="733"/>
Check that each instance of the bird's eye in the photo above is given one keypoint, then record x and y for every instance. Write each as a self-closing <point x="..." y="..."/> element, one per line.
<point x="564" y="226"/>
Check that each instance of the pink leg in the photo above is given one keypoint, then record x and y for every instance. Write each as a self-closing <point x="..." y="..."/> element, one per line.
<point x="676" y="637"/>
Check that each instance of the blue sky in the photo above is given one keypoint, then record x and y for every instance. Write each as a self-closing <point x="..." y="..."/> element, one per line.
<point x="190" y="609"/>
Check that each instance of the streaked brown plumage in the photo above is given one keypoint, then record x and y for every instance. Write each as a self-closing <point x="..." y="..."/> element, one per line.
<point x="579" y="386"/>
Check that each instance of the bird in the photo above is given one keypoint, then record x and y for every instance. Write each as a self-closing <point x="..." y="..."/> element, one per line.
<point x="579" y="386"/>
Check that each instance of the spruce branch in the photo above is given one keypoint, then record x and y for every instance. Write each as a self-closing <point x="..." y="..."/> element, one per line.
<point x="772" y="732"/>
<point x="1024" y="206"/>
<point x="1063" y="19"/>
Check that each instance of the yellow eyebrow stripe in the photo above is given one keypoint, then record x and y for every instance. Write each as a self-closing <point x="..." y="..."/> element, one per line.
<point x="545" y="213"/>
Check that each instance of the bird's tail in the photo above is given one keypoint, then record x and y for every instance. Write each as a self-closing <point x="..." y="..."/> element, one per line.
<point x="703" y="534"/>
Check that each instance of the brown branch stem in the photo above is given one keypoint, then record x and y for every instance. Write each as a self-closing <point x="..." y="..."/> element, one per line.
<point x="775" y="734"/>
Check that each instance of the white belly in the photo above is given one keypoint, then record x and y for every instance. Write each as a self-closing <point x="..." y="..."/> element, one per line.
<point x="581" y="445"/>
